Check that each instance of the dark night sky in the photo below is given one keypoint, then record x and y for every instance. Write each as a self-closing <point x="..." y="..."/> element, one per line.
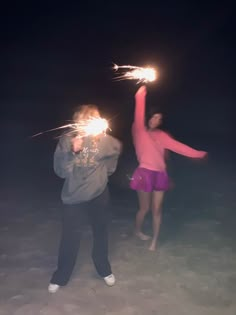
<point x="57" y="55"/>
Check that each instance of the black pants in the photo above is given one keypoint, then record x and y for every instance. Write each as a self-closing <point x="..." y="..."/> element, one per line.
<point x="73" y="221"/>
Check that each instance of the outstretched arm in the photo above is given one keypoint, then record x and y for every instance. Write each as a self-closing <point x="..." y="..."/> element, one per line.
<point x="140" y="103"/>
<point x="180" y="148"/>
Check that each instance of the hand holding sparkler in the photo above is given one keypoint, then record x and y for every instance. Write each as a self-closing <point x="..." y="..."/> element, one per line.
<point x="142" y="90"/>
<point x="142" y="75"/>
<point x="77" y="144"/>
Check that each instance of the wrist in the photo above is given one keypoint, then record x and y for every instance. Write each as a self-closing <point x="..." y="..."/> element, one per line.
<point x="75" y="151"/>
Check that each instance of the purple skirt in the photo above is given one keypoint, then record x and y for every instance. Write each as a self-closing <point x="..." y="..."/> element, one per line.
<point x="148" y="180"/>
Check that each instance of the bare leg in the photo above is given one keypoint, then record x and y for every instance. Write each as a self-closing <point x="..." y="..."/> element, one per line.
<point x="144" y="203"/>
<point x="157" y="198"/>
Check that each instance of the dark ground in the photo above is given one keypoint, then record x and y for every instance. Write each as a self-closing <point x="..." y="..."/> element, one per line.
<point x="193" y="271"/>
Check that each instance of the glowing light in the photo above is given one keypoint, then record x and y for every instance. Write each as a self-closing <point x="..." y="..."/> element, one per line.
<point x="92" y="127"/>
<point x="142" y="75"/>
<point x="83" y="128"/>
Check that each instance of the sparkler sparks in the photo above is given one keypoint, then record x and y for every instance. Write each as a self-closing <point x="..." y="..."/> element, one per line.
<point x="89" y="127"/>
<point x="92" y="127"/>
<point x="142" y="75"/>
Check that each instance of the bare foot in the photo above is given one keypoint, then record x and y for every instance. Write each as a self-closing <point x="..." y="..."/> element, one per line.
<point x="152" y="247"/>
<point x="142" y="236"/>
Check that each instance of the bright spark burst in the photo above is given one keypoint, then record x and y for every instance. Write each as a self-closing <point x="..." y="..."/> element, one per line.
<point x="142" y="75"/>
<point x="92" y="127"/>
<point x="89" y="127"/>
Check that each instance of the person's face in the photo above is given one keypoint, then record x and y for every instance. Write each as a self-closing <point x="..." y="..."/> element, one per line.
<point x="155" y="121"/>
<point x="85" y="115"/>
<point x="96" y="114"/>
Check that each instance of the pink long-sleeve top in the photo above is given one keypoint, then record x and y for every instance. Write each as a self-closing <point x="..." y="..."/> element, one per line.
<point x="150" y="145"/>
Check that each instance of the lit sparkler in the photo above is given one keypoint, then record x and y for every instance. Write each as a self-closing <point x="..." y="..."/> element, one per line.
<point x="83" y="128"/>
<point x="92" y="127"/>
<point x="142" y="75"/>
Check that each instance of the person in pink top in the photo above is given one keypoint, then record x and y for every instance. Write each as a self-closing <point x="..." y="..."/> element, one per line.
<point x="150" y="179"/>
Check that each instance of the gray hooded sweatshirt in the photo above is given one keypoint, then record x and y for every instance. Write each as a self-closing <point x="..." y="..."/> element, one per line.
<point x="85" y="173"/>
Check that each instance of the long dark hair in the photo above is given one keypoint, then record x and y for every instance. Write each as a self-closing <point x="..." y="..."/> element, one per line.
<point x="152" y="110"/>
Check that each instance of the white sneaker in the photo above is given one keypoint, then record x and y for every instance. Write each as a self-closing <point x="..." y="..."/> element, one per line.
<point x="110" y="280"/>
<point x="53" y="288"/>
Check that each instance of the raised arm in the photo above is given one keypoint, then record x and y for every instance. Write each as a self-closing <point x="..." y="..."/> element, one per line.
<point x="140" y="103"/>
<point x="173" y="145"/>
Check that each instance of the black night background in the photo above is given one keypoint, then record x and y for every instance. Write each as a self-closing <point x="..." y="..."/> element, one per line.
<point x="57" y="55"/>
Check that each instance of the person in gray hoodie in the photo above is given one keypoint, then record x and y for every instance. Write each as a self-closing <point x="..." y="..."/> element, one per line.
<point x="85" y="163"/>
